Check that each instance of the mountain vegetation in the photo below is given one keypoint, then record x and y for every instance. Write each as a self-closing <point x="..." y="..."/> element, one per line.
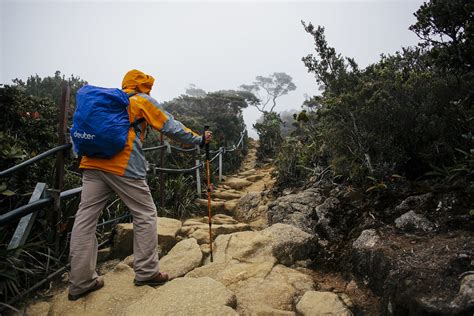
<point x="376" y="172"/>
<point x="407" y="116"/>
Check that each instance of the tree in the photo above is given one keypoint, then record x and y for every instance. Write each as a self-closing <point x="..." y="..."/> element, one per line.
<point x="268" y="129"/>
<point x="288" y="122"/>
<point x="221" y="110"/>
<point x="51" y="86"/>
<point x="194" y="91"/>
<point x="329" y="68"/>
<point x="273" y="86"/>
<point x="445" y="27"/>
<point x="406" y="114"/>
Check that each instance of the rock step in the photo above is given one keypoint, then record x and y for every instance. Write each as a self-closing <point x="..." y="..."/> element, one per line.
<point x="183" y="258"/>
<point x="118" y="293"/>
<point x="325" y="303"/>
<point x="223" y="207"/>
<point x="200" y="231"/>
<point x="246" y="277"/>
<point x="216" y="219"/>
<point x="170" y="231"/>
<point x="167" y="230"/>
<point x="248" y="173"/>
<point x="250" y="264"/>
<point x="255" y="177"/>
<point x="226" y="195"/>
<point x="185" y="296"/>
<point x="237" y="183"/>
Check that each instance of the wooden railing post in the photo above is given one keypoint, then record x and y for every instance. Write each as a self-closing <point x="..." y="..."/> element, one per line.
<point x="26" y="223"/>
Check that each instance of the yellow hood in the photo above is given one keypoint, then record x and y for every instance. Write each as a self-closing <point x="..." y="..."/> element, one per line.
<point x="137" y="81"/>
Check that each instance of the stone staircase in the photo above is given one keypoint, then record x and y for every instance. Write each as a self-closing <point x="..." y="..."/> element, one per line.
<point x="253" y="272"/>
<point x="228" y="194"/>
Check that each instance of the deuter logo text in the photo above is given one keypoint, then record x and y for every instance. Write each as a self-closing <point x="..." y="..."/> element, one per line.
<point x="83" y="135"/>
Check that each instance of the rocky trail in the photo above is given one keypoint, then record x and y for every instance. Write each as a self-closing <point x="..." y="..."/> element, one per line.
<point x="257" y="270"/>
<point x="317" y="250"/>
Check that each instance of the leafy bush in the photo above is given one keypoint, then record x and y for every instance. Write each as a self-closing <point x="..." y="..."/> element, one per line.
<point x="180" y="193"/>
<point x="406" y="114"/>
<point x="269" y="134"/>
<point x="289" y="164"/>
<point x="222" y="111"/>
<point x="29" y="128"/>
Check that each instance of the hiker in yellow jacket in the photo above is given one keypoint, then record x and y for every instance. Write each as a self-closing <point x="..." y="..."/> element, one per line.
<point x="124" y="174"/>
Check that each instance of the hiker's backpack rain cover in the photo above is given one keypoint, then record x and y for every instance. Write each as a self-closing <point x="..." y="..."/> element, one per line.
<point x="101" y="122"/>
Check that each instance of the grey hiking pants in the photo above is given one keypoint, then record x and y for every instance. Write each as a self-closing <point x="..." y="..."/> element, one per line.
<point x="96" y="189"/>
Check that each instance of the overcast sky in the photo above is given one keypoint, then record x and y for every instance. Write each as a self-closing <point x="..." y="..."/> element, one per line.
<point x="214" y="45"/>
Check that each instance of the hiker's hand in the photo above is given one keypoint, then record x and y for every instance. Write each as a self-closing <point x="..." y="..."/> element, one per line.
<point x="208" y="136"/>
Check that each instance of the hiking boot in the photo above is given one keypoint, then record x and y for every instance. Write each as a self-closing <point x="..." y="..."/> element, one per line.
<point x="99" y="283"/>
<point x="159" y="279"/>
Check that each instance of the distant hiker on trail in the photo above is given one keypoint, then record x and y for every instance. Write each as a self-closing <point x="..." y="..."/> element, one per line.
<point x="124" y="173"/>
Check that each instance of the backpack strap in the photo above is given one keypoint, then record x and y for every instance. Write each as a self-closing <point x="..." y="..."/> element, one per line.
<point x="138" y="121"/>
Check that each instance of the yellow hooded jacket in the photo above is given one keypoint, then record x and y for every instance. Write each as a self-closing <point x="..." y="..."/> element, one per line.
<point x="130" y="162"/>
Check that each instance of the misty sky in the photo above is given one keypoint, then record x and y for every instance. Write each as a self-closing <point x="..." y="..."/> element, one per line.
<point x="214" y="45"/>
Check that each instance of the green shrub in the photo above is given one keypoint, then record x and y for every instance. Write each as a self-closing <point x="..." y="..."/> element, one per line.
<point x="222" y="111"/>
<point x="269" y="135"/>
<point x="407" y="114"/>
<point x="180" y="193"/>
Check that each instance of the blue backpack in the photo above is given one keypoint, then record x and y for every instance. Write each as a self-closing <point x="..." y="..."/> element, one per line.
<point x="101" y="122"/>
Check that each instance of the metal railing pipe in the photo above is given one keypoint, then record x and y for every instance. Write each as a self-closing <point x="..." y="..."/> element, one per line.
<point x="183" y="149"/>
<point x="70" y="193"/>
<point x="154" y="148"/>
<point x="10" y="171"/>
<point x="216" y="156"/>
<point x="31" y="207"/>
<point x="114" y="220"/>
<point x="188" y="170"/>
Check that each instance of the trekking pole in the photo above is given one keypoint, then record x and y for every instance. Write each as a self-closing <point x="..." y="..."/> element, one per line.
<point x="208" y="171"/>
